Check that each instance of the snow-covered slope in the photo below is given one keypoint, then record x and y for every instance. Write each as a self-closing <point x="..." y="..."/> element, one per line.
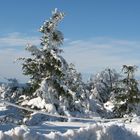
<point x="109" y="131"/>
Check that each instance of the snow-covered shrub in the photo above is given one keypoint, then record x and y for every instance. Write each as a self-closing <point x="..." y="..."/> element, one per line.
<point x="103" y="84"/>
<point x="11" y="92"/>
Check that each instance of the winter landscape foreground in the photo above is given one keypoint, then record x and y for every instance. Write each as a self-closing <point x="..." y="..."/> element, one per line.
<point x="73" y="131"/>
<point x="95" y="129"/>
<point x="119" y="129"/>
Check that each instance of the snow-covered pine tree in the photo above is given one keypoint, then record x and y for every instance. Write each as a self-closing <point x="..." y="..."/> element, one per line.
<point x="46" y="66"/>
<point x="46" y="62"/>
<point x="127" y="94"/>
<point x="52" y="81"/>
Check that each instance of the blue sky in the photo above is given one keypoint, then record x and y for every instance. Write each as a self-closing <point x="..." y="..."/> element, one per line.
<point x="98" y="33"/>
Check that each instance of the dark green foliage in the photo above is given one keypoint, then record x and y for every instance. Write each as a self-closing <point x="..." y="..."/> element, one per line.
<point x="127" y="94"/>
<point x="46" y="63"/>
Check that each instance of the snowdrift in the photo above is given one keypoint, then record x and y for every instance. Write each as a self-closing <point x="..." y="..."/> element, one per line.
<point x="94" y="132"/>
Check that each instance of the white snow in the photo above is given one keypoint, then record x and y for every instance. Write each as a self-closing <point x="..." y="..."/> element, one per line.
<point x="87" y="130"/>
<point x="116" y="130"/>
<point x="108" y="105"/>
<point x="77" y="131"/>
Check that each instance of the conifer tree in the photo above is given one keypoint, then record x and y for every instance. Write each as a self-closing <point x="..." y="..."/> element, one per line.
<point x="51" y="77"/>
<point x="46" y="62"/>
<point x="127" y="94"/>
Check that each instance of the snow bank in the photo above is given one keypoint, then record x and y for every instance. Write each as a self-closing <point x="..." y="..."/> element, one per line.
<point x="94" y="132"/>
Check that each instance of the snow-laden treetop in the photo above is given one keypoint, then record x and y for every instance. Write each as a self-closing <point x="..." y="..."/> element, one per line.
<point x="52" y="37"/>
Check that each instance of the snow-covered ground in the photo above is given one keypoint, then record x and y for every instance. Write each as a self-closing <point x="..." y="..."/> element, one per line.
<point x="113" y="130"/>
<point x="72" y="131"/>
<point x="54" y="130"/>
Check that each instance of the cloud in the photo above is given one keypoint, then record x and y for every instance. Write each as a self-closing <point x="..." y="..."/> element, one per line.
<point x="18" y="40"/>
<point x="10" y="69"/>
<point x="90" y="55"/>
<point x="93" y="55"/>
<point x="11" y="47"/>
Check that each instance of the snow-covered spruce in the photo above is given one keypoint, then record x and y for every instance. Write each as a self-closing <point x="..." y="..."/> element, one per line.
<point x="126" y="97"/>
<point x="55" y="83"/>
